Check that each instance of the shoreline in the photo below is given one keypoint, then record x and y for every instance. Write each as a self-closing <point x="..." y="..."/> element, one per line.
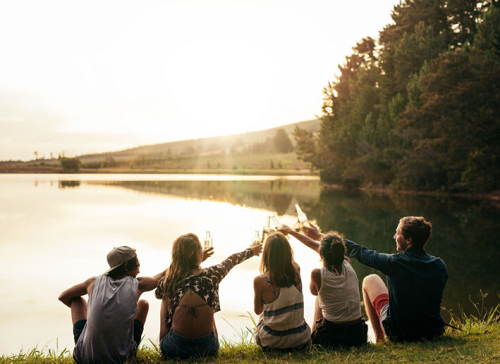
<point x="493" y="196"/>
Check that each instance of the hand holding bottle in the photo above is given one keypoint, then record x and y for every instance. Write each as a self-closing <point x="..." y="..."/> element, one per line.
<point x="257" y="249"/>
<point x="285" y="229"/>
<point x="312" y="232"/>
<point x="207" y="253"/>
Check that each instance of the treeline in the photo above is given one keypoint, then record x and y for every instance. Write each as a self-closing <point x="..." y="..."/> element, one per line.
<point x="419" y="108"/>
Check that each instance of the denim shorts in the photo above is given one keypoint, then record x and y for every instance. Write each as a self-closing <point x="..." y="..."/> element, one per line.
<point x="79" y="325"/>
<point x="174" y="345"/>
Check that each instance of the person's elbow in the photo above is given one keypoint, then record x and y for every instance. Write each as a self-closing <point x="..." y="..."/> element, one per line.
<point x="258" y="307"/>
<point x="61" y="298"/>
<point x="257" y="310"/>
<point x="65" y="299"/>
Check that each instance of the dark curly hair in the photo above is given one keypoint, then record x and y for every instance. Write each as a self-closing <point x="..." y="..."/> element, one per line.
<point x="332" y="250"/>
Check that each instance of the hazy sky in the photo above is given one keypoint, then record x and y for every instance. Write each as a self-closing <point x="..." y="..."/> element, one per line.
<point x="97" y="76"/>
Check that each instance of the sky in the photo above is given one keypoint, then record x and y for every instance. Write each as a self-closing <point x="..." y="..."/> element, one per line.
<point x="98" y="76"/>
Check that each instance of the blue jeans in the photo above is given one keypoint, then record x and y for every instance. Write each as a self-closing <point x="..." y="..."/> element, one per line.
<point x="174" y="345"/>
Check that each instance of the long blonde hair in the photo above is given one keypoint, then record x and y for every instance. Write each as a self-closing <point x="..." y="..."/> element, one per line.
<point x="185" y="251"/>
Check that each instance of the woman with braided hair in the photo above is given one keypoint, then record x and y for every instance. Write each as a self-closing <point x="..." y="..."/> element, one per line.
<point x="337" y="315"/>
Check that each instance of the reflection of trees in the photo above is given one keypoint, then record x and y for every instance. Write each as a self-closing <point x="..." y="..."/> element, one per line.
<point x="464" y="235"/>
<point x="70" y="184"/>
<point x="270" y="195"/>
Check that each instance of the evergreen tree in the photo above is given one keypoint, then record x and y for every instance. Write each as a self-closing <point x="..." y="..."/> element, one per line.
<point x="281" y="142"/>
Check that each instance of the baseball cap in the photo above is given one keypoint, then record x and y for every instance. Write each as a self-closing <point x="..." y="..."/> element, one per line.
<point x="119" y="255"/>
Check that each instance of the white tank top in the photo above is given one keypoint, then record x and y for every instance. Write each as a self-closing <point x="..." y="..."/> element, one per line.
<point x="339" y="295"/>
<point x="108" y="335"/>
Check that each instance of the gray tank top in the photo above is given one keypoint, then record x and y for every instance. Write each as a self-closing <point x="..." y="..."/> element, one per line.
<point x="108" y="335"/>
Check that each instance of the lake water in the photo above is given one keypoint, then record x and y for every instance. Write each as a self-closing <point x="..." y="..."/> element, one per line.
<point x="55" y="231"/>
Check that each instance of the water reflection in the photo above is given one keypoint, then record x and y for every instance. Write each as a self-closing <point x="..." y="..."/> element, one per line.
<point x="68" y="184"/>
<point x="272" y="195"/>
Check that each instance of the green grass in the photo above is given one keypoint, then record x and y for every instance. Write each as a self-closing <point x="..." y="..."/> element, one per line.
<point x="477" y="340"/>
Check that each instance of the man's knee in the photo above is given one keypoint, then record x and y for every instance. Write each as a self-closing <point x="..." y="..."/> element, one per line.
<point x="373" y="285"/>
<point x="78" y="302"/>
<point x="372" y="280"/>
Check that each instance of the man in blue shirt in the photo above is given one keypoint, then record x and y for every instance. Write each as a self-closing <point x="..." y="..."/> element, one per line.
<point x="408" y="308"/>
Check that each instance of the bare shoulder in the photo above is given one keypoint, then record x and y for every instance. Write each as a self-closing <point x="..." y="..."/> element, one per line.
<point x="89" y="283"/>
<point x="90" y="280"/>
<point x="258" y="280"/>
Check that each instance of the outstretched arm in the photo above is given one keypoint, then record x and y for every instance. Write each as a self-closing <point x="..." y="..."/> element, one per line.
<point x="371" y="258"/>
<point x="307" y="241"/>
<point x="78" y="290"/>
<point x="222" y="269"/>
<point x="149" y="283"/>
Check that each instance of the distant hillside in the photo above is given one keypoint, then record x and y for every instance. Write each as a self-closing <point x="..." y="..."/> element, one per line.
<point x="203" y="146"/>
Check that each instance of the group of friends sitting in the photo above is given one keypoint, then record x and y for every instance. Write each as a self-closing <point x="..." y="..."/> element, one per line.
<point x="108" y="328"/>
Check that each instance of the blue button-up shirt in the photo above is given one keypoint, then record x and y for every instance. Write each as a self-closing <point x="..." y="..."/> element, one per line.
<point x="416" y="282"/>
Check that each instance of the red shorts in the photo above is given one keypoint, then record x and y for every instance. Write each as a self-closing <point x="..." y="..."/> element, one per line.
<point x="379" y="302"/>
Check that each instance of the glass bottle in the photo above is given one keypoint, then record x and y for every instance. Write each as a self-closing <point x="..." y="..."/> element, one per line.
<point x="276" y="222"/>
<point x="256" y="240"/>
<point x="267" y="229"/>
<point x="208" y="242"/>
<point x="277" y="225"/>
<point x="301" y="215"/>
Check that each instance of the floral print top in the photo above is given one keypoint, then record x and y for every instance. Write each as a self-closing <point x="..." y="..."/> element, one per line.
<point x="205" y="284"/>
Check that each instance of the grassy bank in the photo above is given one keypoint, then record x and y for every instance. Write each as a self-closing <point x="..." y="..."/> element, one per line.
<point x="478" y="341"/>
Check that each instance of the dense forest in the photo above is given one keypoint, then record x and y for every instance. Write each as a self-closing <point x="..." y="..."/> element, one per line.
<point x="419" y="108"/>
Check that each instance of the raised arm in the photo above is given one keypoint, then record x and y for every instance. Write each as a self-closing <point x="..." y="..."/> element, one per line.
<point x="222" y="269"/>
<point x="78" y="290"/>
<point x="371" y="258"/>
<point x="307" y="241"/>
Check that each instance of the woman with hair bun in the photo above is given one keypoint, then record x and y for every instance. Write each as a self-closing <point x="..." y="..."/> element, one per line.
<point x="337" y="315"/>
<point x="278" y="299"/>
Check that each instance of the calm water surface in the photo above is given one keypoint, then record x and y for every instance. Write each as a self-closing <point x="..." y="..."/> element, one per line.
<point x="55" y="231"/>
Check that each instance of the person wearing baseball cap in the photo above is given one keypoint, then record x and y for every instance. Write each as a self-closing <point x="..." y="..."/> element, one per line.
<point x="109" y="327"/>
